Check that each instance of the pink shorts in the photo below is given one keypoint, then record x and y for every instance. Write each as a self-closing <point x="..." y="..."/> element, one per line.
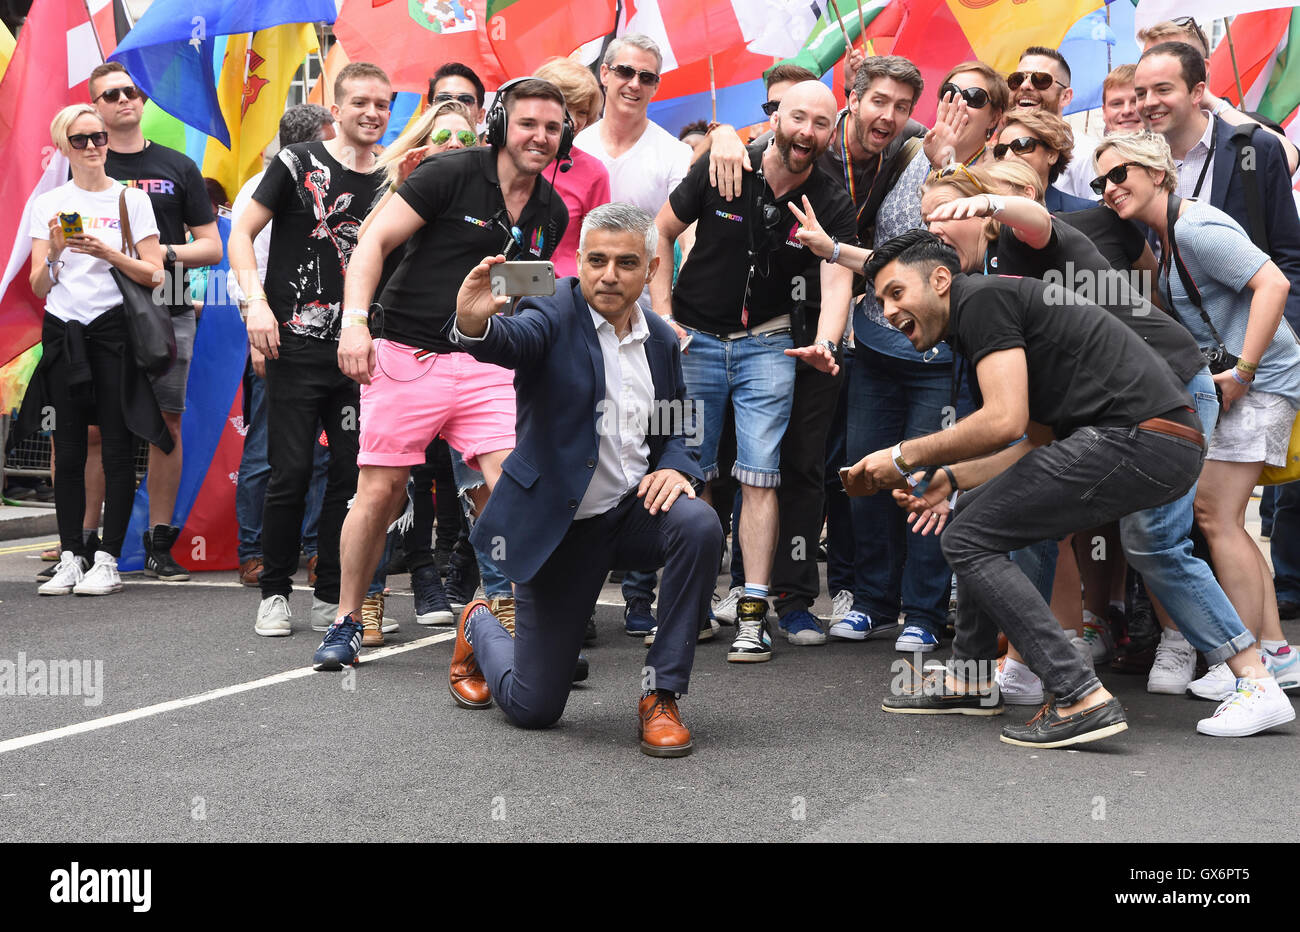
<point x="409" y="402"/>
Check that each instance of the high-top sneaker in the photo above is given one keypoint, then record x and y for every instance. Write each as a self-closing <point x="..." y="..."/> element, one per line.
<point x="752" y="644"/>
<point x="102" y="578"/>
<point x="431" y="605"/>
<point x="462" y="581"/>
<point x="158" y="561"/>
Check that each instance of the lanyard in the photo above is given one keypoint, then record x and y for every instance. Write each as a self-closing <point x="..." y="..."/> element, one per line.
<point x="846" y="161"/>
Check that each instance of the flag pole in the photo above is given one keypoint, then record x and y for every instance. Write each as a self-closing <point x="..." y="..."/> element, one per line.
<point x="1232" y="52"/>
<point x="848" y="43"/>
<point x="862" y="27"/>
<point x="98" y="45"/>
<point x="713" y="90"/>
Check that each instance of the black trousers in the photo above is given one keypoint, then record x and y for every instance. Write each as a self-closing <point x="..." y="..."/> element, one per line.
<point x="74" y="412"/>
<point x="304" y="387"/>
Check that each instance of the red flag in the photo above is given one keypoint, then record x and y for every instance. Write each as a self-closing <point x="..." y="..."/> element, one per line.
<point x="525" y="33"/>
<point x="409" y="40"/>
<point x="55" y="54"/>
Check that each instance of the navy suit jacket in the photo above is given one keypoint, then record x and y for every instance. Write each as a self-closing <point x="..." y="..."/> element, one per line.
<point x="1059" y="201"/>
<point x="552" y="345"/>
<point x="1281" y="222"/>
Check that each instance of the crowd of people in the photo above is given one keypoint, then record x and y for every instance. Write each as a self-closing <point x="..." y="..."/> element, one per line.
<point x="974" y="358"/>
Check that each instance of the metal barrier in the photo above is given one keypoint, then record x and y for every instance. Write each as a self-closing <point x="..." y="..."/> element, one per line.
<point x="31" y="456"/>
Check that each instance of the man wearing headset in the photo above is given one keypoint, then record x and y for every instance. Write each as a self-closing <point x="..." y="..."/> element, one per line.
<point x="454" y="209"/>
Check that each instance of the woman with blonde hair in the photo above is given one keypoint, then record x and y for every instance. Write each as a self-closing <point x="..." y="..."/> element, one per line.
<point x="87" y="372"/>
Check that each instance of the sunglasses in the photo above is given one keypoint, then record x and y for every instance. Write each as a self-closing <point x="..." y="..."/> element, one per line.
<point x="976" y="97"/>
<point x="443" y="136"/>
<point x="113" y="93"/>
<point x="1117" y="175"/>
<point x="939" y="174"/>
<point x="1021" y="146"/>
<point x="770" y="107"/>
<point x="1190" y="23"/>
<point x="626" y="72"/>
<point x="469" y="100"/>
<point x="79" y="140"/>
<point x="1041" y="80"/>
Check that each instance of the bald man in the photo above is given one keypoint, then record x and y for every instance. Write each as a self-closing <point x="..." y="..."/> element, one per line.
<point x="760" y="319"/>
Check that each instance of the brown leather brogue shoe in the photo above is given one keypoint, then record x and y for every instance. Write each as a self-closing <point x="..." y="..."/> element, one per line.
<point x="311" y="571"/>
<point x="465" y="680"/>
<point x="250" y="572"/>
<point x="661" y="730"/>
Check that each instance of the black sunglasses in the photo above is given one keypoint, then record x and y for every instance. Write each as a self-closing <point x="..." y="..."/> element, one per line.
<point x="1019" y="146"/>
<point x="1117" y="175"/>
<point x="1041" y="80"/>
<point x="1189" y="22"/>
<point x="976" y="97"/>
<point x="79" y="140"/>
<point x="112" y="94"/>
<point x="770" y="107"/>
<point x="627" y="72"/>
<point x="469" y="100"/>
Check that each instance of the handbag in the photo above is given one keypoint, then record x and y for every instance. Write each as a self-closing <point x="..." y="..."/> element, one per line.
<point x="1277" y="475"/>
<point x="148" y="321"/>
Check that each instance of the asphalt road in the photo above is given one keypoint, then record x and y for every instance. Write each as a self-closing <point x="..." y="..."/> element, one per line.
<point x="791" y="750"/>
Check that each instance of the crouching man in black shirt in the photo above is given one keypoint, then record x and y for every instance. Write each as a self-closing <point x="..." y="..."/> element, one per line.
<point x="1125" y="440"/>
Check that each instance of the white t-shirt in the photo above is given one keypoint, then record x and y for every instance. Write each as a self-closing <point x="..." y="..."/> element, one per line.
<point x="262" y="242"/>
<point x="1078" y="175"/>
<point x="85" y="289"/>
<point x="645" y="174"/>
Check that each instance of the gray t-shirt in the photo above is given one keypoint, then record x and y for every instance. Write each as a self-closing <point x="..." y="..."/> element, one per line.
<point x="1221" y="259"/>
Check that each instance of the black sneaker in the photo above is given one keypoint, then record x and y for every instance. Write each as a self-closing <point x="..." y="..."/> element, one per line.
<point x="462" y="582"/>
<point x="638" y="620"/>
<point x="158" y="561"/>
<point x="1048" y="729"/>
<point x="589" y="637"/>
<point x="581" y="670"/>
<point x="931" y="696"/>
<point x="753" y="644"/>
<point x="92" y="544"/>
<point x="431" y="604"/>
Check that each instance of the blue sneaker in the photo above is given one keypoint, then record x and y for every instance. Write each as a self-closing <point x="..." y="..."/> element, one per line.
<point x="801" y="628"/>
<point x="916" y="640"/>
<point x="858" y="626"/>
<point x="340" y="648"/>
<point x="638" y="620"/>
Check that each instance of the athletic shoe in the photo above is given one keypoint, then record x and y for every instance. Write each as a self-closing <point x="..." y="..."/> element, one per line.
<point x="372" y="619"/>
<point x="273" y="617"/>
<point x="340" y="647"/>
<point x="841" y="605"/>
<point x="431" y="604"/>
<point x="1096" y="634"/>
<point x="1288" y="609"/>
<point x="582" y="669"/>
<point x="858" y="626"/>
<point x="931" y="696"/>
<point x="323" y="614"/>
<point x="589" y="637"/>
<point x="1254" y="706"/>
<point x="1216" y="686"/>
<point x="802" y="629"/>
<point x="1018" y="684"/>
<point x="1083" y="647"/>
<point x="158" y="561"/>
<point x="638" y="620"/>
<point x="1174" y="665"/>
<point x="52" y="557"/>
<point x="1284" y="667"/>
<point x="708" y="630"/>
<point x="67" y="573"/>
<point x="916" y="639"/>
<point x="503" y="607"/>
<point x="462" y="583"/>
<point x="1048" y="729"/>
<point x="725" y="610"/>
<point x="102" y="578"/>
<point x="752" y="644"/>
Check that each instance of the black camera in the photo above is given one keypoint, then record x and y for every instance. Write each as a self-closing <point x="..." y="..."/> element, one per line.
<point x="1219" y="359"/>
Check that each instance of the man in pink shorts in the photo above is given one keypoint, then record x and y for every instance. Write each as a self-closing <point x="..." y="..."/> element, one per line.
<point x="456" y="208"/>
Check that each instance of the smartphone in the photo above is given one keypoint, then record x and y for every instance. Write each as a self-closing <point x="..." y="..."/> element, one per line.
<point x="521" y="279"/>
<point x="686" y="340"/>
<point x="71" y="224"/>
<point x="852" y="488"/>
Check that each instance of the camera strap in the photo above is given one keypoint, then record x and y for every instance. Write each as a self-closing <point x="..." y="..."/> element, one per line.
<point x="1189" y="284"/>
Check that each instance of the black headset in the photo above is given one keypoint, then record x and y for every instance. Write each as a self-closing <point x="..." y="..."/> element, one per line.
<point x="497" y="120"/>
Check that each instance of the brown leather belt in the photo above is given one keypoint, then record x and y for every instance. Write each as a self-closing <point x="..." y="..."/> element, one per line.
<point x="1160" y="425"/>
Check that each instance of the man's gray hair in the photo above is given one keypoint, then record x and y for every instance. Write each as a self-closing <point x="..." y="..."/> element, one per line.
<point x="621" y="218"/>
<point x="303" y="123"/>
<point x="643" y="42"/>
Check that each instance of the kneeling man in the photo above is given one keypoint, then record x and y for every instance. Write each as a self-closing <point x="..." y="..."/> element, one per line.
<point x="600" y="478"/>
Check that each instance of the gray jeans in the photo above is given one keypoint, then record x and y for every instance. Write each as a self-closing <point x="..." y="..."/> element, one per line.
<point x="1094" y="476"/>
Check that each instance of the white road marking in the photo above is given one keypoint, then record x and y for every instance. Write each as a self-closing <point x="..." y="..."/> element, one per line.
<point x="108" y="721"/>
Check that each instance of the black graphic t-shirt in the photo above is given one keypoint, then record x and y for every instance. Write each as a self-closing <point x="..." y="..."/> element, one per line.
<point x="319" y="206"/>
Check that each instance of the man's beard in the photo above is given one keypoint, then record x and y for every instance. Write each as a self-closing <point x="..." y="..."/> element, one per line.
<point x="785" y="148"/>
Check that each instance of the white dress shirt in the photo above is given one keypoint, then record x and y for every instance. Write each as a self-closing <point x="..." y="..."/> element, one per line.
<point x="1189" y="169"/>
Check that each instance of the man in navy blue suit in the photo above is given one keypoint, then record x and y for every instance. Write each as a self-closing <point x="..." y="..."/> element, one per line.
<point x="601" y="477"/>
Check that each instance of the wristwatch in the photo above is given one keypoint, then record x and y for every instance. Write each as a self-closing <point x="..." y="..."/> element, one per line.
<point x="831" y="346"/>
<point x="171" y="255"/>
<point x="902" y="465"/>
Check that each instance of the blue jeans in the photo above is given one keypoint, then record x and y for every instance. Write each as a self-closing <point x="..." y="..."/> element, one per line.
<point x="495" y="584"/>
<point x="254" y="471"/>
<point x="1285" y="541"/>
<point x="840" y="545"/>
<point x="1157" y="545"/>
<point x="756" y="376"/>
<point x="890" y="400"/>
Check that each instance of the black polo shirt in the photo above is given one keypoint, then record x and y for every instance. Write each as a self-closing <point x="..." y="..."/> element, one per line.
<point x="1086" y="369"/>
<point x="715" y="291"/>
<point x="458" y="196"/>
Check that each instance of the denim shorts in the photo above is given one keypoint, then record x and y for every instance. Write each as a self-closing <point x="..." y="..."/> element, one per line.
<point x="757" y="377"/>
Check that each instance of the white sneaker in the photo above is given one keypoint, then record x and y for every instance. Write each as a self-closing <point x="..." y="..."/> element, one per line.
<point x="102" y="578"/>
<point x="1254" y="706"/>
<point x="1082" y="646"/>
<point x="1096" y="633"/>
<point x="841" y="605"/>
<point x="1217" y="685"/>
<point x="323" y="614"/>
<point x="1019" y="684"/>
<point x="725" y="610"/>
<point x="1285" y="668"/>
<point x="1174" y="665"/>
<point x="69" y="573"/>
<point x="273" y="618"/>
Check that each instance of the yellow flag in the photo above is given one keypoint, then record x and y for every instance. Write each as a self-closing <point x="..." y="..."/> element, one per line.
<point x="252" y="91"/>
<point x="6" y="48"/>
<point x="999" y="30"/>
